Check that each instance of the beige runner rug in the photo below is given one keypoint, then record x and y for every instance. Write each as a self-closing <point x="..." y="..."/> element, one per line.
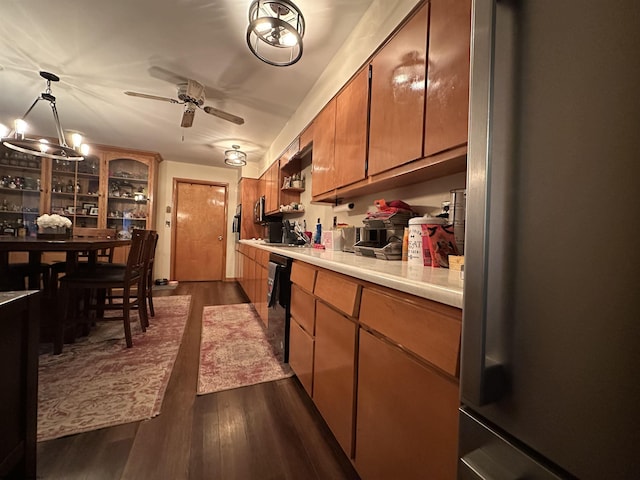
<point x="234" y="350"/>
<point x="97" y="382"/>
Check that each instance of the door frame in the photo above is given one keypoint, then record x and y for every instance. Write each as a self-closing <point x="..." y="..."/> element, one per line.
<point x="174" y="215"/>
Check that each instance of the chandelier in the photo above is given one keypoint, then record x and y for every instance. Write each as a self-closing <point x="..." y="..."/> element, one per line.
<point x="42" y="147"/>
<point x="235" y="157"/>
<point x="275" y="32"/>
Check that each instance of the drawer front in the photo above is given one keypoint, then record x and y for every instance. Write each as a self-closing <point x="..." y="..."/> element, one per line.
<point x="301" y="347"/>
<point x="304" y="275"/>
<point x="262" y="257"/>
<point x="251" y="252"/>
<point x="338" y="291"/>
<point x="303" y="308"/>
<point x="428" y="329"/>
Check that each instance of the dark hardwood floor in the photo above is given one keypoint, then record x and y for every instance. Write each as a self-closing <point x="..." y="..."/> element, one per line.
<point x="269" y="431"/>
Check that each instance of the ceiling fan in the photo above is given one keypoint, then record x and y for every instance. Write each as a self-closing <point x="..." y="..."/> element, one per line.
<point x="191" y="95"/>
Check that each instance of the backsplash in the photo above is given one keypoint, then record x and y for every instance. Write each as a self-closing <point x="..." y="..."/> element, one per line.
<point x="426" y="197"/>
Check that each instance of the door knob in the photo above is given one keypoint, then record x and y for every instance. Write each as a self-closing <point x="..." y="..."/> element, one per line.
<point x="220" y="237"/>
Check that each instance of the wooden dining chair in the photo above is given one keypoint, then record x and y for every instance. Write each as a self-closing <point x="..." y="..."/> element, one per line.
<point x="151" y="254"/>
<point x="83" y="292"/>
<point x="20" y="272"/>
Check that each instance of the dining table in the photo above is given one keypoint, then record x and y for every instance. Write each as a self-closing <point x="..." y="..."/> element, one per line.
<point x="36" y="246"/>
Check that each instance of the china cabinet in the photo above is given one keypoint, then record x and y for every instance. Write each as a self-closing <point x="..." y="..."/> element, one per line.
<point x="111" y="188"/>
<point x="21" y="199"/>
<point x="128" y="180"/>
<point x="74" y="189"/>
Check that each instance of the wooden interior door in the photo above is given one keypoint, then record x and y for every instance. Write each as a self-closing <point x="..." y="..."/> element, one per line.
<point x="199" y="230"/>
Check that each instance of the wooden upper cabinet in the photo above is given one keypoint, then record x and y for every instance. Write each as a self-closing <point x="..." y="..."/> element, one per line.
<point x="249" y="189"/>
<point x="291" y="151"/>
<point x="324" y="130"/>
<point x="448" y="75"/>
<point x="306" y="137"/>
<point x="272" y="191"/>
<point x="397" y="97"/>
<point x="351" y="130"/>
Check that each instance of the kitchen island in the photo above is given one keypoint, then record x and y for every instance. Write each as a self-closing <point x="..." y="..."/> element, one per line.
<point x="438" y="284"/>
<point x="376" y="345"/>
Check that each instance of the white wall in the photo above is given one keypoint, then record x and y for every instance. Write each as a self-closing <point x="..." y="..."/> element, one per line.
<point x="426" y="197"/>
<point x="168" y="170"/>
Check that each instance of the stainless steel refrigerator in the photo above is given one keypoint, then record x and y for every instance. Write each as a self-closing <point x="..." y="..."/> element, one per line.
<point x="550" y="368"/>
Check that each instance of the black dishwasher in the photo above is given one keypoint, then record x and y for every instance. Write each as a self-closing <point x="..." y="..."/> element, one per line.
<point x="279" y="300"/>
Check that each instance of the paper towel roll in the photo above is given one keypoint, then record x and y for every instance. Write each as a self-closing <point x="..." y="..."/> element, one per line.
<point x="345" y="207"/>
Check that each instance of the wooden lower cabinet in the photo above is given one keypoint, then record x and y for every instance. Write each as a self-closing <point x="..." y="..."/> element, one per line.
<point x="407" y="416"/>
<point x="301" y="346"/>
<point x="261" y="294"/>
<point x="334" y="372"/>
<point x="19" y="332"/>
<point x="303" y="308"/>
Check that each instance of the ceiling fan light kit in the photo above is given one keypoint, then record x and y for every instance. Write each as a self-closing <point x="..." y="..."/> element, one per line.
<point x="16" y="139"/>
<point x="235" y="157"/>
<point x="275" y="32"/>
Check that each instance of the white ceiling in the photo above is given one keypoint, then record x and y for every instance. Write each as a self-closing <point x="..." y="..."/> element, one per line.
<point x="100" y="49"/>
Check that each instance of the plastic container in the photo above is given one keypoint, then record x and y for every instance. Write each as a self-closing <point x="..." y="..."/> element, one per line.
<point x="415" y="249"/>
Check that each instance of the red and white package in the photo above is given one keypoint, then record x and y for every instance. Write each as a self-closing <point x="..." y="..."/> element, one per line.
<point x="438" y="242"/>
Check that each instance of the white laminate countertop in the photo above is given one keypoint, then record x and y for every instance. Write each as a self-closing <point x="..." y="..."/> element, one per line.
<point x="438" y="284"/>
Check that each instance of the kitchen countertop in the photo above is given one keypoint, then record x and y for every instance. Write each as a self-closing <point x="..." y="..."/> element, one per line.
<point x="438" y="284"/>
<point x="8" y="297"/>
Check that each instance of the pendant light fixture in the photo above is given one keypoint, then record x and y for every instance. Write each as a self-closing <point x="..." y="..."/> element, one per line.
<point x="275" y="32"/>
<point x="42" y="147"/>
<point x="235" y="157"/>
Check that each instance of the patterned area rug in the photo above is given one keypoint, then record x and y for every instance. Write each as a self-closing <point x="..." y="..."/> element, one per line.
<point x="97" y="382"/>
<point x="234" y="350"/>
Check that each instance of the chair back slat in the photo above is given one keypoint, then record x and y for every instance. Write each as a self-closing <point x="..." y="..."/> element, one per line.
<point x="104" y="254"/>
<point x="94" y="232"/>
<point x="137" y="253"/>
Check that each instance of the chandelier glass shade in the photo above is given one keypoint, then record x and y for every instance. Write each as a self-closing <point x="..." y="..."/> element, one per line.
<point x="235" y="157"/>
<point x="17" y="140"/>
<point x="275" y="32"/>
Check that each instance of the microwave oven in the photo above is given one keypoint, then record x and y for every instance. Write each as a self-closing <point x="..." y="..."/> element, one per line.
<point x="259" y="215"/>
<point x="258" y="211"/>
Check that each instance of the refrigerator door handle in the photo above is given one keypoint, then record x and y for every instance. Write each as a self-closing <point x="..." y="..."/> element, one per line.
<point x="490" y="173"/>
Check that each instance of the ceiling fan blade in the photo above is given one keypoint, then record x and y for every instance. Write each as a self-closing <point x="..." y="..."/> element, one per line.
<point x="224" y="115"/>
<point x="187" y="117"/>
<point x="152" y="97"/>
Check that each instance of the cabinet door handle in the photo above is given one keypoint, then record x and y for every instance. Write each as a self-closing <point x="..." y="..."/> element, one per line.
<point x="220" y="237"/>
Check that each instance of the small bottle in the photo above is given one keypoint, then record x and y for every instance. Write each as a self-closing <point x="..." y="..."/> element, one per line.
<point x="317" y="239"/>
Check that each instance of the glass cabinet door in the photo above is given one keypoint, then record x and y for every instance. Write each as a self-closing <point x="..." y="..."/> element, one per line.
<point x="20" y="192"/>
<point x="128" y="194"/>
<point x="75" y="188"/>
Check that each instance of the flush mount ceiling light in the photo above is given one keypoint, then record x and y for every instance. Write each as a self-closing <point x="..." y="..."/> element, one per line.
<point x="42" y="147"/>
<point x="235" y="157"/>
<point x="275" y="32"/>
